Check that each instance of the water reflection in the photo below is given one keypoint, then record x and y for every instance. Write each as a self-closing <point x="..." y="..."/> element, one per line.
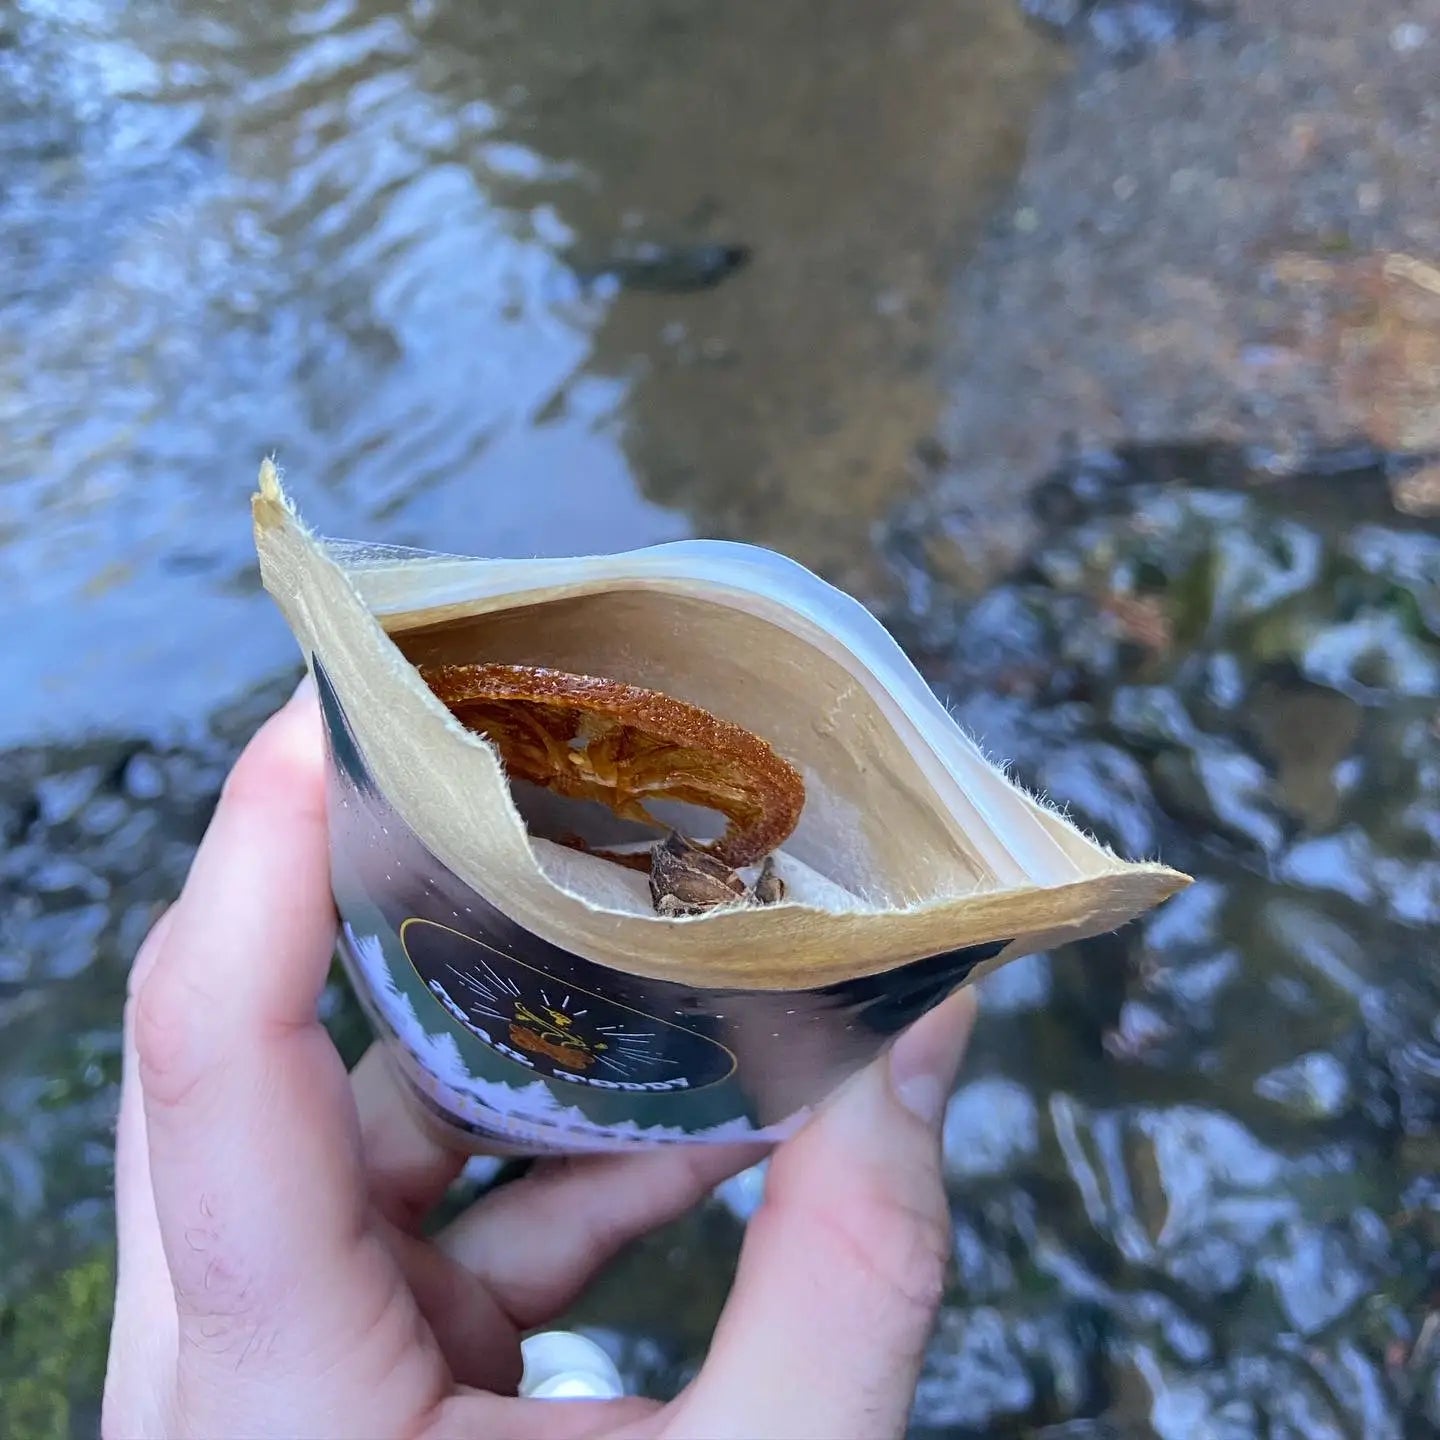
<point x="1228" y="1225"/>
<point x="355" y="236"/>
<point x="379" y="242"/>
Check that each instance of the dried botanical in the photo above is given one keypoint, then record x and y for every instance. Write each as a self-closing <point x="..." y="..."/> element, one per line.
<point x="588" y="738"/>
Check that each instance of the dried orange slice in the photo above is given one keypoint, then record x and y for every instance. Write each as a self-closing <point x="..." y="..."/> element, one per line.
<point x="593" y="739"/>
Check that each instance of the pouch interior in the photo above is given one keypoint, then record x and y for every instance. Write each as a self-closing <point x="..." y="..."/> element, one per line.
<point x="871" y="822"/>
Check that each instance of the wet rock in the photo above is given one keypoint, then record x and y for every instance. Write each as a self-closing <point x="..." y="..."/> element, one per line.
<point x="1411" y="888"/>
<point x="17" y="814"/>
<point x="1095" y="1430"/>
<point x="1151" y="716"/>
<point x="1255" y="1393"/>
<point x="1308" y="733"/>
<point x="1196" y="986"/>
<point x="1089" y="1143"/>
<point x="1315" y="1086"/>
<point x="143" y="776"/>
<point x="1141" y="1032"/>
<point x="1005" y="638"/>
<point x="1276" y="1009"/>
<point x="1060" y="13"/>
<point x="192" y="778"/>
<point x="1366" y="1390"/>
<point x="103" y="815"/>
<point x="1122" y="29"/>
<point x="991" y="1128"/>
<point x="1370" y="657"/>
<point x="1105" y="790"/>
<point x="983" y="1269"/>
<point x="1147" y="1318"/>
<point x="54" y="875"/>
<point x="61" y="796"/>
<point x="1251" y="573"/>
<point x="664" y="269"/>
<point x="62" y="944"/>
<point x="1187" y="1190"/>
<point x="1384" y="342"/>
<point x="1190" y="924"/>
<point x="975" y="1375"/>
<point x="131" y="849"/>
<point x="1418" y="491"/>
<point x="134" y="925"/>
<point x="1316" y="1276"/>
<point x="1021" y="986"/>
<point x="1402" y="1032"/>
<point x="23" y="1179"/>
<point x="1405" y="560"/>
<point x="1428" y="1406"/>
<point x="1319" y="946"/>
<point x="1222" y="681"/>
<point x="1225" y="790"/>
<point x="1342" y="862"/>
<point x="986" y="1366"/>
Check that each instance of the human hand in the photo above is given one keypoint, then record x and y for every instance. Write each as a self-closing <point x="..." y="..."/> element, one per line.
<point x="273" y="1280"/>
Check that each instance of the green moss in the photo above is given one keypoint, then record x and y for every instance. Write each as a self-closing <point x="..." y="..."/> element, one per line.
<point x="53" y="1341"/>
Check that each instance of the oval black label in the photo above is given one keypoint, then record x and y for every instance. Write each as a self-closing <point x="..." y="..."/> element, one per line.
<point x="555" y="1027"/>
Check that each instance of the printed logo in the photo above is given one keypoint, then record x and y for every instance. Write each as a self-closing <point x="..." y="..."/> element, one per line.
<point x="555" y="1027"/>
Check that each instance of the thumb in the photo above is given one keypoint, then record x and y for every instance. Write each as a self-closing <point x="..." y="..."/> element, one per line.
<point x="843" y="1266"/>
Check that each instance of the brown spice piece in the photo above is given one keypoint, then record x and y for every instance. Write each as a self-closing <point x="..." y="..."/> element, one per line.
<point x="686" y="880"/>
<point x="588" y="738"/>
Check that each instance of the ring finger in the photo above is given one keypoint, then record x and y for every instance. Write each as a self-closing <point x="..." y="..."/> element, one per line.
<point x="409" y="1170"/>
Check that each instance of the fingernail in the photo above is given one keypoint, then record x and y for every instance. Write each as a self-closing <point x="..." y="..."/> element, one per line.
<point x="304" y="690"/>
<point x="926" y="1058"/>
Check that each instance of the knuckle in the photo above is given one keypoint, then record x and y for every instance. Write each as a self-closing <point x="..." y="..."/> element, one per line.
<point x="147" y="955"/>
<point x="163" y="1011"/>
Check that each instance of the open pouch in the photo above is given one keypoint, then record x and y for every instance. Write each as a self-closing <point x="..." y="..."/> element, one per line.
<point x="530" y="994"/>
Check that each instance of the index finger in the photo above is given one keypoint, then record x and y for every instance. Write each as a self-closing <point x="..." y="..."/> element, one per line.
<point x="251" y="1128"/>
<point x="260" y="877"/>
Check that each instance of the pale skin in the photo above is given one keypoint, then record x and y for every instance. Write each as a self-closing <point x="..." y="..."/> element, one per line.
<point x="273" y="1280"/>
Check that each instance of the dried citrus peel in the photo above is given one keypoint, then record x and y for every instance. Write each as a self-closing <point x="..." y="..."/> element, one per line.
<point x="588" y="738"/>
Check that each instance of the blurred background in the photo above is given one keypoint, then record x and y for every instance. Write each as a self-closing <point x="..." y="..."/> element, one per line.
<point x="1095" y="344"/>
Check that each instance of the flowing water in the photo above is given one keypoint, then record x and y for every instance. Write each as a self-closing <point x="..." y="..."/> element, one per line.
<point x="537" y="279"/>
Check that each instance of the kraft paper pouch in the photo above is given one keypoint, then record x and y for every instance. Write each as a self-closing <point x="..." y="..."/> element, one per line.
<point x="530" y="995"/>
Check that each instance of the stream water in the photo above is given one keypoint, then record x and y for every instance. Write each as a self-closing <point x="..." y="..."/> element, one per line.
<point x="538" y="279"/>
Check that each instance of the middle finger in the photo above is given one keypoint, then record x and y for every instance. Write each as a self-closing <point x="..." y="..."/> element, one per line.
<point x="537" y="1243"/>
<point x="407" y="1168"/>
